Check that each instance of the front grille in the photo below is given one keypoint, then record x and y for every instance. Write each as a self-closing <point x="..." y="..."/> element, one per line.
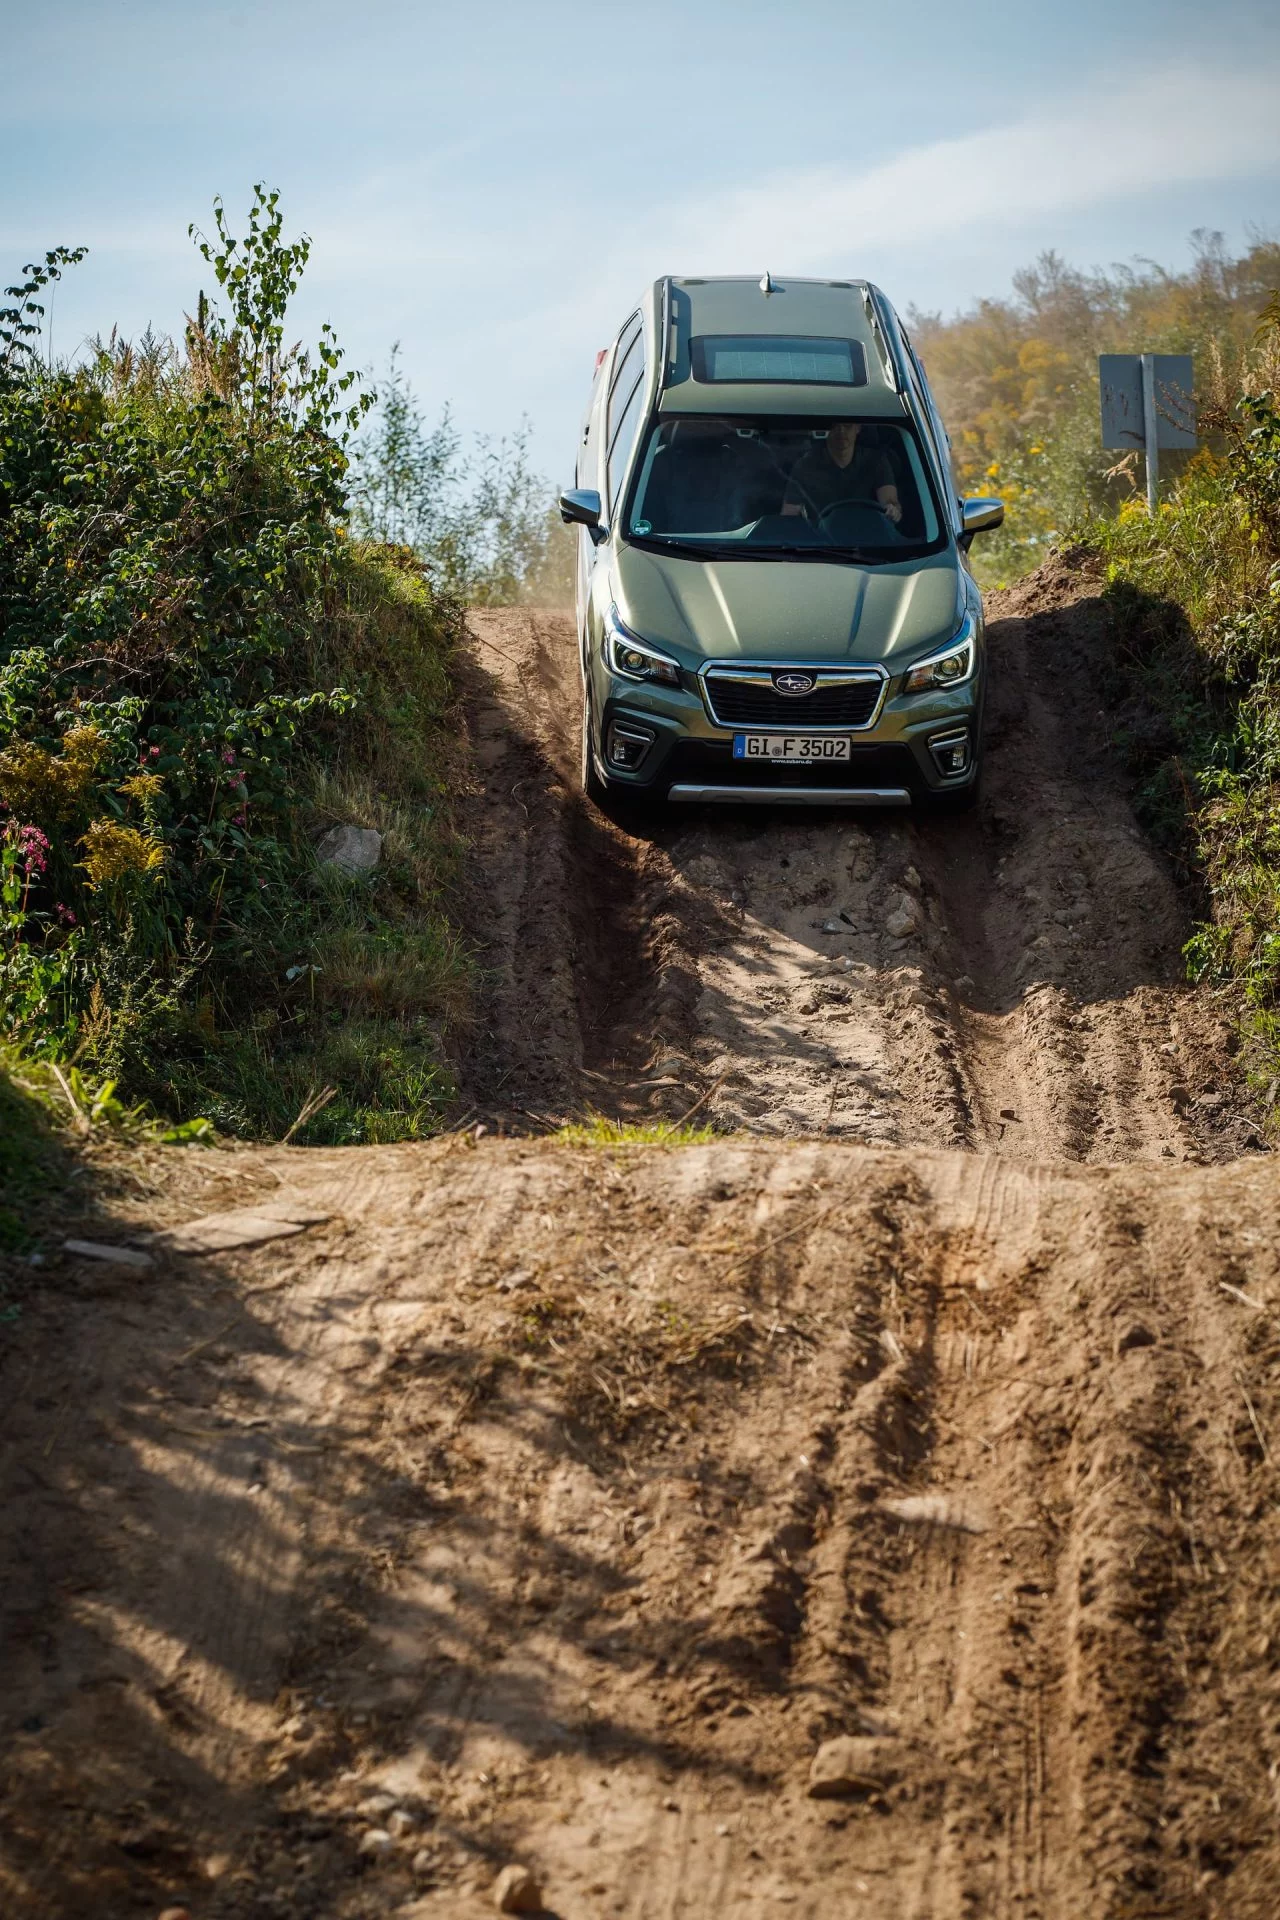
<point x="740" y="699"/>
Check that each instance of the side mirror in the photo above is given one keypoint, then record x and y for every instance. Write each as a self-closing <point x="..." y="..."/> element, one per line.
<point x="581" y="506"/>
<point x="980" y="516"/>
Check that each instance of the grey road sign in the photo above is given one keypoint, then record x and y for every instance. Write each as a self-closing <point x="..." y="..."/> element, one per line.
<point x="1147" y="401"/>
<point x="1123" y="423"/>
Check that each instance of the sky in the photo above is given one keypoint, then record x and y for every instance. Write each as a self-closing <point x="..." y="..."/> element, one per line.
<point x="493" y="185"/>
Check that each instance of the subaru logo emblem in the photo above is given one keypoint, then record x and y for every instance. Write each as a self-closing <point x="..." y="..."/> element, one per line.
<point x="794" y="683"/>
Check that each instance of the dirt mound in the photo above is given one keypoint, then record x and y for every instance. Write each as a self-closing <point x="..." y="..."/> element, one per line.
<point x="561" y="1506"/>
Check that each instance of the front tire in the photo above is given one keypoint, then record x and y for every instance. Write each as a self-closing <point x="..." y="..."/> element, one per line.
<point x="592" y="785"/>
<point x="963" y="801"/>
<point x="622" y="803"/>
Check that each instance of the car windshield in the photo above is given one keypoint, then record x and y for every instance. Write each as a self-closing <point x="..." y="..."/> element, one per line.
<point x="771" y="485"/>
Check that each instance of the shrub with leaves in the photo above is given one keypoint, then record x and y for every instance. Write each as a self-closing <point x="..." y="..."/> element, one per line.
<point x="174" y="570"/>
<point x="1195" y="595"/>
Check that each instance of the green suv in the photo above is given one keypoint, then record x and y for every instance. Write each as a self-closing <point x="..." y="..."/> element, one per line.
<point x="774" y="597"/>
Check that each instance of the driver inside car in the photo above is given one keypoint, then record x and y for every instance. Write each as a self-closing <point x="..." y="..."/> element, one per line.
<point x="837" y="470"/>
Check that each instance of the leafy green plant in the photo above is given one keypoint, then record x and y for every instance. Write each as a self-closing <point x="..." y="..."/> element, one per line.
<point x="1195" y="599"/>
<point x="198" y="665"/>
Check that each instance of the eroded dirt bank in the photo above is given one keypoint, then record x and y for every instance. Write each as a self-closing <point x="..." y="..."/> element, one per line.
<point x="1011" y="982"/>
<point x="557" y="1505"/>
<point x="570" y="1499"/>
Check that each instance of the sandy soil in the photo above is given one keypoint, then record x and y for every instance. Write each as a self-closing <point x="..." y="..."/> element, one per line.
<point x="570" y="1499"/>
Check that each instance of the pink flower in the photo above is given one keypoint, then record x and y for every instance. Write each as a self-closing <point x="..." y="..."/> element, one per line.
<point x="240" y="819"/>
<point x="154" y="753"/>
<point x="228" y="756"/>
<point x="31" y="846"/>
<point x="65" y="914"/>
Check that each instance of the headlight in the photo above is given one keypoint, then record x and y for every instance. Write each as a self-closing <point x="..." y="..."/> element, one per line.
<point x="635" y="659"/>
<point x="949" y="668"/>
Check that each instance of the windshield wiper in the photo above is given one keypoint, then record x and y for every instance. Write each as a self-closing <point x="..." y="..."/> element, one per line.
<point x="771" y="550"/>
<point x="862" y="556"/>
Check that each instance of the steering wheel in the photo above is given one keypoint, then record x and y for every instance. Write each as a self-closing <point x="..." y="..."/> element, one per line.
<point x="840" y="506"/>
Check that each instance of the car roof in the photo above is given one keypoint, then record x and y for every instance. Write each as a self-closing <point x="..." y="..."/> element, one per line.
<point x="686" y="306"/>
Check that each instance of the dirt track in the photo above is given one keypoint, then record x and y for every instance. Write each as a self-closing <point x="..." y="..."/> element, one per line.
<point x="572" y="1498"/>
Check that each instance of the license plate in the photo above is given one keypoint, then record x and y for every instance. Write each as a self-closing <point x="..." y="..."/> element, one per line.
<point x="790" y="749"/>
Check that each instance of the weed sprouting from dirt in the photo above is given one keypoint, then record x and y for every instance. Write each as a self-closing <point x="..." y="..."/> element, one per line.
<point x="598" y="1131"/>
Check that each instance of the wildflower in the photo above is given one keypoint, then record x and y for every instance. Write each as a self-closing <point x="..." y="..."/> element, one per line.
<point x="65" y="915"/>
<point x="154" y="753"/>
<point x="143" y="787"/>
<point x="228" y="756"/>
<point x="240" y="819"/>
<point x="112" y="851"/>
<point x="31" y="847"/>
<point x="34" y="780"/>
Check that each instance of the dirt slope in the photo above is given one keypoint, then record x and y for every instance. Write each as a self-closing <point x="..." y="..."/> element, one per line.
<point x="571" y="1499"/>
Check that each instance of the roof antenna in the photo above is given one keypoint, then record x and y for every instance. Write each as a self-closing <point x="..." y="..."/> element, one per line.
<point x="766" y="285"/>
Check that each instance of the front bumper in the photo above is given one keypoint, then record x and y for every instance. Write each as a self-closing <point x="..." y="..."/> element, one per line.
<point x="661" y="741"/>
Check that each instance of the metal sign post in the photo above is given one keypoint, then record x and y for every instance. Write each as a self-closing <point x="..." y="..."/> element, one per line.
<point x="1147" y="402"/>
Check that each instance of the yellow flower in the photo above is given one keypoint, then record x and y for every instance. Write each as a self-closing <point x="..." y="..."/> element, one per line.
<point x="33" y="782"/>
<point x="142" y="787"/>
<point x="111" y="851"/>
<point x="993" y="471"/>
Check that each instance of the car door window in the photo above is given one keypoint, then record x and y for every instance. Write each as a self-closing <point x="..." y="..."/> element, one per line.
<point x="626" y="394"/>
<point x="624" y="436"/>
<point x="625" y="361"/>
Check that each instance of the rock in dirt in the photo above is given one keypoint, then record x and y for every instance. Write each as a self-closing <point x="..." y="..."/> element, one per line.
<point x="375" y="1805"/>
<point x="850" y="1764"/>
<point x="242" y="1227"/>
<point x="934" y="1510"/>
<point x="176" y="1913"/>
<point x="516" y="1891"/>
<point x="904" y="918"/>
<point x="399" y="1822"/>
<point x="375" y="1843"/>
<point x="110" y="1256"/>
<point x="353" y="849"/>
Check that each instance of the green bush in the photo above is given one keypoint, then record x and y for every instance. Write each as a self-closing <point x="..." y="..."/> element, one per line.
<point x="199" y="669"/>
<point x="1195" y="601"/>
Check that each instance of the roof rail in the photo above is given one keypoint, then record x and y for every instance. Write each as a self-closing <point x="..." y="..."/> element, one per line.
<point x="664" y="331"/>
<point x="880" y="331"/>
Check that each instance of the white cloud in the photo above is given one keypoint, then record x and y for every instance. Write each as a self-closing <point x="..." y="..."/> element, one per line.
<point x="1165" y="129"/>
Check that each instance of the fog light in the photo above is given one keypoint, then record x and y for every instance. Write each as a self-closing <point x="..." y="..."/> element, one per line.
<point x="951" y="752"/>
<point x="628" y="745"/>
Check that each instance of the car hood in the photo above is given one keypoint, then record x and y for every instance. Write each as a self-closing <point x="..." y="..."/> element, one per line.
<point x="788" y="609"/>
